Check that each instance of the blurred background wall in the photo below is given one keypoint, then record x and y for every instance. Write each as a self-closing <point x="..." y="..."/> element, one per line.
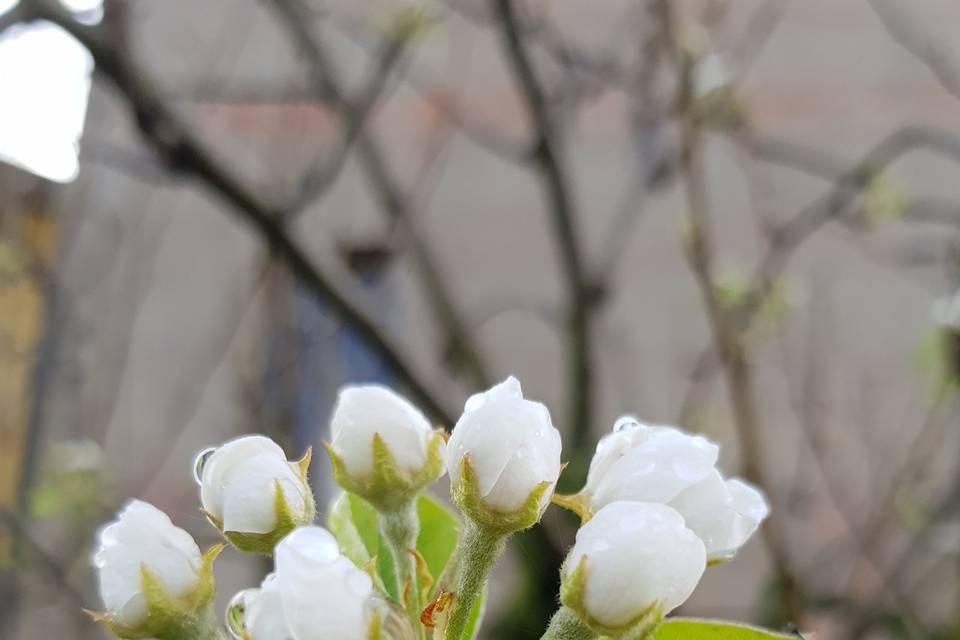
<point x="736" y="229"/>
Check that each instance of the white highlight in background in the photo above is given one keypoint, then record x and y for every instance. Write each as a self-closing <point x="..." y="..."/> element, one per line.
<point x="44" y="87"/>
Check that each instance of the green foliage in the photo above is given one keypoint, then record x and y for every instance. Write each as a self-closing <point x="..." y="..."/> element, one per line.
<point x="689" y="629"/>
<point x="353" y="521"/>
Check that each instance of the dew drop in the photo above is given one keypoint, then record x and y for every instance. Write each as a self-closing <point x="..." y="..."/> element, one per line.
<point x="235" y="611"/>
<point x="200" y="462"/>
<point x="100" y="559"/>
<point x="625" y="422"/>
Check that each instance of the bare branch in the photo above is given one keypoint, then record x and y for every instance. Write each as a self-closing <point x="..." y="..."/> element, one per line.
<point x="392" y="198"/>
<point x="179" y="147"/>
<point x="937" y="58"/>
<point x="556" y="185"/>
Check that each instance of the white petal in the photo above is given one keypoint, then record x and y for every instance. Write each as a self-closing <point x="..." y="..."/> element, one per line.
<point x="660" y="464"/>
<point x="723" y="514"/>
<point x="627" y="432"/>
<point x="325" y="597"/>
<point x="142" y="535"/>
<point x="637" y="554"/>
<point x="229" y="457"/>
<point x="512" y="444"/>
<point x="249" y="497"/>
<point x="363" y="411"/>
<point x="263" y="617"/>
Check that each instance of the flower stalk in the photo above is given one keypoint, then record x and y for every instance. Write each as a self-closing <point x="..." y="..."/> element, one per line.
<point x="399" y="529"/>
<point x="567" y="625"/>
<point x="477" y="551"/>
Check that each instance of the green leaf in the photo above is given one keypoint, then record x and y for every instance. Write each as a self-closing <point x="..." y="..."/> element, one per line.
<point x="439" y="531"/>
<point x="689" y="629"/>
<point x="353" y="521"/>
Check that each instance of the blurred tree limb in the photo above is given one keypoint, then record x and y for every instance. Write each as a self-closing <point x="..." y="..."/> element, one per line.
<point x="183" y="153"/>
<point x="460" y="343"/>
<point x="582" y="293"/>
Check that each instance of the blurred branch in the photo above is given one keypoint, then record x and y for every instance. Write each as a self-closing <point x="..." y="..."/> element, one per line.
<point x="460" y="342"/>
<point x="787" y="237"/>
<point x="582" y="294"/>
<point x="181" y="150"/>
<point x="936" y="57"/>
<point x="51" y="565"/>
<point x="729" y="346"/>
<point x="426" y="86"/>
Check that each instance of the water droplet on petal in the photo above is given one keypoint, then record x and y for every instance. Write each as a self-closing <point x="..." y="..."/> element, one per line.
<point x="625" y="422"/>
<point x="235" y="610"/>
<point x="200" y="462"/>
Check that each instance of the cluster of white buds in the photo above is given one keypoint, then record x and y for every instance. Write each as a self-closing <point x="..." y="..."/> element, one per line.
<point x="655" y="513"/>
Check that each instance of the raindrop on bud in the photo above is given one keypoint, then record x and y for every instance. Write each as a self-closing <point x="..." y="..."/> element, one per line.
<point x="200" y="462"/>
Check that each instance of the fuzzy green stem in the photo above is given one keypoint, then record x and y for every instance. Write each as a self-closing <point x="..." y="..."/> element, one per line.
<point x="203" y="626"/>
<point x="477" y="552"/>
<point x="567" y="625"/>
<point x="400" y="529"/>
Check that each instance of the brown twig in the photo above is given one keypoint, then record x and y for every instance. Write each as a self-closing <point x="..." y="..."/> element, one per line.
<point x="581" y="295"/>
<point x="461" y="343"/>
<point x="183" y="153"/>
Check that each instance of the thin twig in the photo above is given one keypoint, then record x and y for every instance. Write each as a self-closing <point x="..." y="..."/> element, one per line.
<point x="392" y="199"/>
<point x="556" y="185"/>
<point x="935" y="56"/>
<point x="181" y="150"/>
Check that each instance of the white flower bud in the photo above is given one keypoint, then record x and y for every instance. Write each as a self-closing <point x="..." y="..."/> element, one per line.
<point x="263" y="615"/>
<point x="142" y="537"/>
<point x="512" y="446"/>
<point x="723" y="513"/>
<point x="646" y="464"/>
<point x="662" y="464"/>
<point x="383" y="448"/>
<point x="325" y="597"/>
<point x="365" y="411"/>
<point x="238" y="489"/>
<point x="637" y="558"/>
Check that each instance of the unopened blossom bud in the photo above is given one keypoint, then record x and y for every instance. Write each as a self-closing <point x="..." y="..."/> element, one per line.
<point x="153" y="580"/>
<point x="645" y="463"/>
<point x="383" y="447"/>
<point x="324" y="596"/>
<point x="504" y="456"/>
<point x="252" y="493"/>
<point x="257" y="614"/>
<point x="631" y="564"/>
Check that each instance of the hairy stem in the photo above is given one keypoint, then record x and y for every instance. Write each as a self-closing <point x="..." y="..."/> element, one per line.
<point x="400" y="529"/>
<point x="567" y="625"/>
<point x="476" y="554"/>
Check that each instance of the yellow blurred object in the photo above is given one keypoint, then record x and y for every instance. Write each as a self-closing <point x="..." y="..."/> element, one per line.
<point x="27" y="245"/>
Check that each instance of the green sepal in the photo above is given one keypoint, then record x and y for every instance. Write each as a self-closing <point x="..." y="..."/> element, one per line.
<point x="640" y="627"/>
<point x="185" y="617"/>
<point x="388" y="487"/>
<point x="287" y="520"/>
<point x="375" y="631"/>
<point x="466" y="495"/>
